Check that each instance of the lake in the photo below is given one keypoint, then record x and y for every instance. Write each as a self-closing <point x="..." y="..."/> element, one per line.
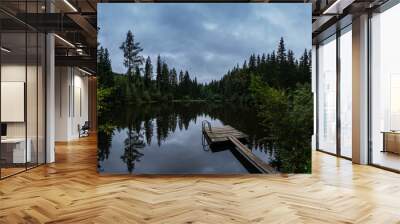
<point x="166" y="138"/>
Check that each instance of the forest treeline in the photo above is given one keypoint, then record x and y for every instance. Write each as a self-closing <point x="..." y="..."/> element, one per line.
<point x="146" y="81"/>
<point x="277" y="84"/>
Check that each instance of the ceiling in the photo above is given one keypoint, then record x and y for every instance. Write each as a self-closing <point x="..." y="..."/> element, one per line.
<point x="75" y="22"/>
<point x="329" y="14"/>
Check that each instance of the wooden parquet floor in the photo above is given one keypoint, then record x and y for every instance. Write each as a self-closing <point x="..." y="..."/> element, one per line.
<point x="71" y="191"/>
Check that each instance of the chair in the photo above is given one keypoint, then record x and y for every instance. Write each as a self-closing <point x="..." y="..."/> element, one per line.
<point x="84" y="130"/>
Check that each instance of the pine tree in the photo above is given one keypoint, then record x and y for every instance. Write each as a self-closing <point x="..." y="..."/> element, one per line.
<point x="186" y="83"/>
<point x="104" y="70"/>
<point x="281" y="53"/>
<point x="164" y="77"/>
<point x="195" y="87"/>
<point x="180" y="84"/>
<point x="131" y="50"/>
<point x="137" y="77"/>
<point x="186" y="77"/>
<point x="290" y="57"/>
<point x="304" y="61"/>
<point x="290" y="69"/>
<point x="173" y="78"/>
<point x="158" y="75"/>
<point x="180" y="77"/>
<point x="304" y="67"/>
<point x="107" y="60"/>
<point x="273" y="57"/>
<point x="252" y="62"/>
<point x="244" y="67"/>
<point x="148" y="72"/>
<point x="263" y="59"/>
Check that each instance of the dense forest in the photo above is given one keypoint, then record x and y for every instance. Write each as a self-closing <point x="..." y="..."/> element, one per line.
<point x="144" y="82"/>
<point x="277" y="84"/>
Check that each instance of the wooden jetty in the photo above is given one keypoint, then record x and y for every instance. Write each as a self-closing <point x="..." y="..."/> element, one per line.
<point x="227" y="134"/>
<point x="222" y="134"/>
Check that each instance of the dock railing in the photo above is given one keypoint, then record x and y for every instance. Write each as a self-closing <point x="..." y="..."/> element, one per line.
<point x="204" y="124"/>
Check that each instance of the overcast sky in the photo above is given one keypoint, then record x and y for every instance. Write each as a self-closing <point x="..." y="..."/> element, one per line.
<point x="205" y="39"/>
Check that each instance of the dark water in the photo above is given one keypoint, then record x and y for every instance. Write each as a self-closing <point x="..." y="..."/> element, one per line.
<point x="167" y="139"/>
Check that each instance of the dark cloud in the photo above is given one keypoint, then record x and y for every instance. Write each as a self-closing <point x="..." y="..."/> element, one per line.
<point x="206" y="39"/>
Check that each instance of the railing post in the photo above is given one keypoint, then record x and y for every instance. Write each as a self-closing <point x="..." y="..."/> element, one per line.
<point x="203" y="125"/>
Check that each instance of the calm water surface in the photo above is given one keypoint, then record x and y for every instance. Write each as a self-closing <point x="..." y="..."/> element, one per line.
<point x="167" y="139"/>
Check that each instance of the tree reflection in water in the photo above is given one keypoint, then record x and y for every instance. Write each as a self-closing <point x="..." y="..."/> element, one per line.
<point x="144" y="121"/>
<point x="133" y="143"/>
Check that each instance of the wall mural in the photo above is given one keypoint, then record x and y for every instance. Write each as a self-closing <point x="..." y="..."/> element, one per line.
<point x="204" y="88"/>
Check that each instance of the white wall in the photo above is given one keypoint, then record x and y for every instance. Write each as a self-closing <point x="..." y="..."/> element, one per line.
<point x="71" y="87"/>
<point x="80" y="110"/>
<point x="62" y="82"/>
<point x="17" y="73"/>
<point x="14" y="72"/>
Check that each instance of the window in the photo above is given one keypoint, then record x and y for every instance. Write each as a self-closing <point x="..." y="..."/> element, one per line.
<point x="346" y="92"/>
<point x="385" y="89"/>
<point x="327" y="95"/>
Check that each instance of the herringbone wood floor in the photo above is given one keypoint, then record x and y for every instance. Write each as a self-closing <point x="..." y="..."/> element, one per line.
<point x="71" y="191"/>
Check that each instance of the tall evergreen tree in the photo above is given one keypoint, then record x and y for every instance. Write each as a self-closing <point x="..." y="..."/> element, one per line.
<point x="148" y="72"/>
<point x="273" y="57"/>
<point x="244" y="67"/>
<point x="180" y="77"/>
<point x="252" y="62"/>
<point x="304" y="66"/>
<point x="290" y="57"/>
<point x="263" y="59"/>
<point x="186" y="83"/>
<point x="159" y="68"/>
<point x="173" y="78"/>
<point x="164" y="77"/>
<point x="281" y="53"/>
<point x="138" y="76"/>
<point x="131" y="50"/>
<point x="104" y="70"/>
<point x="107" y="60"/>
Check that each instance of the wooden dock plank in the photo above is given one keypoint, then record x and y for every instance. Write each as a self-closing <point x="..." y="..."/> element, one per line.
<point x="229" y="134"/>
<point x="257" y="162"/>
<point x="221" y="134"/>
